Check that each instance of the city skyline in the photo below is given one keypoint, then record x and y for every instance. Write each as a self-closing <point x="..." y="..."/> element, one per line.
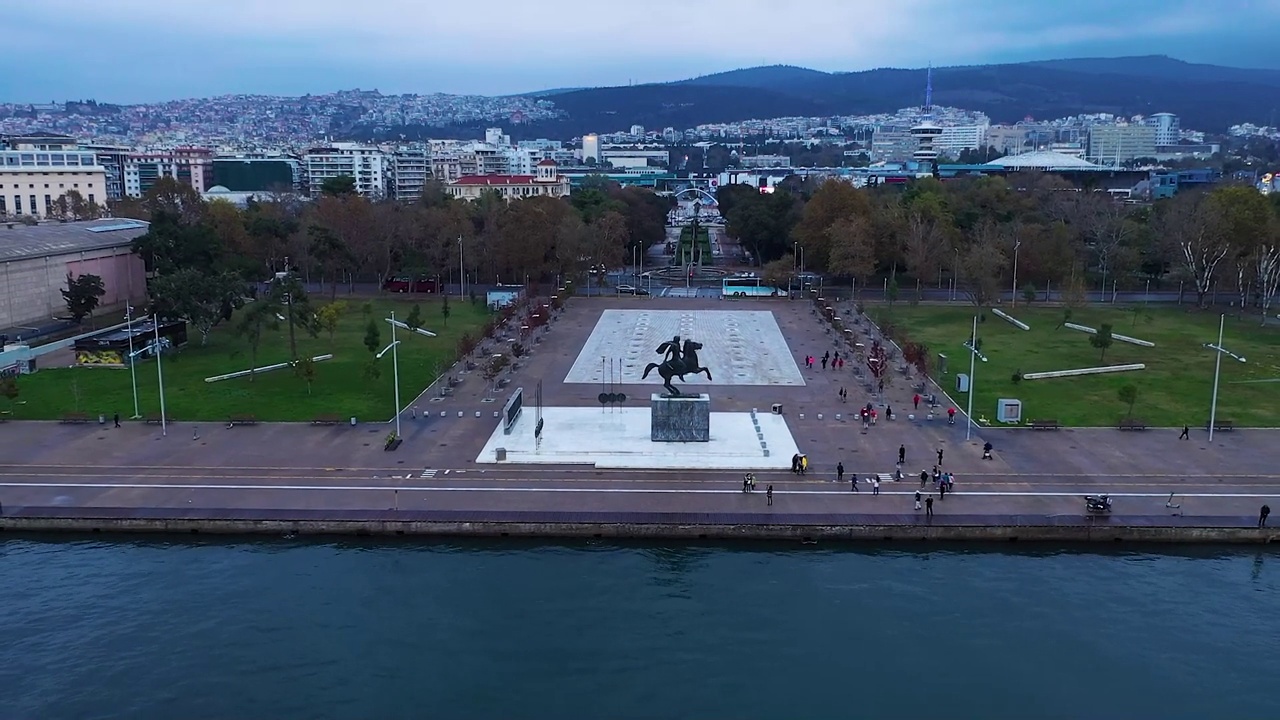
<point x="292" y="48"/>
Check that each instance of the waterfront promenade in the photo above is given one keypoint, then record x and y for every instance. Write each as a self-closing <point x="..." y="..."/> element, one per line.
<point x="338" y="478"/>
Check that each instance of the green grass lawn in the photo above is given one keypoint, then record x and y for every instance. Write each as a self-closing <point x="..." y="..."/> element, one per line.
<point x="1174" y="389"/>
<point x="340" y="385"/>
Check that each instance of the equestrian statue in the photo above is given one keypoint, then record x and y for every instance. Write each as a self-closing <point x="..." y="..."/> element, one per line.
<point x="678" y="360"/>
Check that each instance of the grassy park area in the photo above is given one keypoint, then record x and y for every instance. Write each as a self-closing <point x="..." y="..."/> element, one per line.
<point x="1174" y="389"/>
<point x="340" y="385"/>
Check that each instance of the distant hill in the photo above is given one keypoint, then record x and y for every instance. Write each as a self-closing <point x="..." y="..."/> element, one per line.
<point x="768" y="77"/>
<point x="1205" y="97"/>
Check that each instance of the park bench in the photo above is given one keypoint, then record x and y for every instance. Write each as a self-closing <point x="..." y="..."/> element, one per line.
<point x="1132" y="424"/>
<point x="326" y="419"/>
<point x="1222" y="425"/>
<point x="155" y="419"/>
<point x="4" y="416"/>
<point x="242" y="420"/>
<point x="74" y="418"/>
<point x="1045" y="424"/>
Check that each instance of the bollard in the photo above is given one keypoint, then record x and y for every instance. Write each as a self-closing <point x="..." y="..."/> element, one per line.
<point x="759" y="435"/>
<point x="801" y="416"/>
<point x="459" y="413"/>
<point x="443" y="413"/>
<point x="497" y="413"/>
<point x="477" y="413"/>
<point x="839" y="417"/>
<point x="819" y="416"/>
<point x="766" y="452"/>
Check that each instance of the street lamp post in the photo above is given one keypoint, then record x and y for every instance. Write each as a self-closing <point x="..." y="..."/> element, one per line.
<point x="133" y="371"/>
<point x="395" y="368"/>
<point x="974" y="354"/>
<point x="1016" y="244"/>
<point x="1217" y="368"/>
<point x="164" y="419"/>
<point x="462" y="270"/>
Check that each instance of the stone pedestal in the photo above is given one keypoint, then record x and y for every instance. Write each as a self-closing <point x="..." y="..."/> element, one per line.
<point x="686" y="418"/>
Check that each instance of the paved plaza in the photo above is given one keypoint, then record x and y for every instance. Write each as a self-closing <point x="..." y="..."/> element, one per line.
<point x="299" y="470"/>
<point x="742" y="347"/>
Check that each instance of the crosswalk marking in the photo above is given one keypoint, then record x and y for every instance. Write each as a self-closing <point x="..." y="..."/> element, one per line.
<point x="428" y="473"/>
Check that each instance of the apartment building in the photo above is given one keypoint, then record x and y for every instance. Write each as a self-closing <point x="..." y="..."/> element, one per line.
<point x="113" y="159"/>
<point x="366" y="164"/>
<point x="189" y="166"/>
<point x="1115" y="144"/>
<point x="31" y="180"/>
<point x="892" y="144"/>
<point x="955" y="139"/>
<point x="1168" y="127"/>
<point x="409" y="171"/>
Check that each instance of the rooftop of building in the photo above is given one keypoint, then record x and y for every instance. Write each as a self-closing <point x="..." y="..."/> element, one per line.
<point x="500" y="180"/>
<point x="19" y="241"/>
<point x="1044" y="160"/>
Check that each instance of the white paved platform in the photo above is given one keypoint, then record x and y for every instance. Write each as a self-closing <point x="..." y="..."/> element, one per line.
<point x="620" y="439"/>
<point x="741" y="347"/>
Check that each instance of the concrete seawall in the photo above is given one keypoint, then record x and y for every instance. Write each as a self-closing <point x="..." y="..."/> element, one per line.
<point x="1110" y="532"/>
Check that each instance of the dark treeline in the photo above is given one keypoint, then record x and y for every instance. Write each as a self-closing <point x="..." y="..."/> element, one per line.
<point x="200" y="256"/>
<point x="1226" y="240"/>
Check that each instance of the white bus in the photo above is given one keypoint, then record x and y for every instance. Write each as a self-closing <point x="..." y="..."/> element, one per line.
<point x="749" y="287"/>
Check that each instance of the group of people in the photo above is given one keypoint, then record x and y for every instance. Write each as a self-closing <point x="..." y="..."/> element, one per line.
<point x="749" y="486"/>
<point x="799" y="464"/>
<point x="835" y="362"/>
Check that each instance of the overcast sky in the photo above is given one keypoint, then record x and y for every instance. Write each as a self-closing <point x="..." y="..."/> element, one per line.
<point x="141" y="50"/>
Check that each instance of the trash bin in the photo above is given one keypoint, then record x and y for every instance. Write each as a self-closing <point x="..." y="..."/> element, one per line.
<point x="102" y="419"/>
<point x="353" y="421"/>
<point x="501" y="454"/>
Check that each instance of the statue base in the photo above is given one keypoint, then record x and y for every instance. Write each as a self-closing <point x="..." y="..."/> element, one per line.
<point x="680" y="418"/>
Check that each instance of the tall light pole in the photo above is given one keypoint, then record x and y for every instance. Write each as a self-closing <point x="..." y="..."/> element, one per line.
<point x="1217" y="368"/>
<point x="1016" y="244"/>
<point x="974" y="354"/>
<point x="133" y="371"/>
<point x="462" y="270"/>
<point x="164" y="419"/>
<point x="395" y="368"/>
<point x="955" y="274"/>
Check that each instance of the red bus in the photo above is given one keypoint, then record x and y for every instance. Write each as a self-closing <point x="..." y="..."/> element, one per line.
<point x="407" y="284"/>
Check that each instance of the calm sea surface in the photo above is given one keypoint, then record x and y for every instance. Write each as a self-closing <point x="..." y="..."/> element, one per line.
<point x="288" y="629"/>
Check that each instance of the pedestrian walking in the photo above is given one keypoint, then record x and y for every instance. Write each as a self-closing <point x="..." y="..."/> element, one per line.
<point x="752" y="485"/>
<point x="951" y="416"/>
<point x="928" y="506"/>
<point x="942" y="491"/>
<point x="746" y="482"/>
<point x="888" y="412"/>
<point x="839" y="472"/>
<point x="824" y="362"/>
<point x="1186" y="433"/>
<point x="986" y="451"/>
<point x="853" y="482"/>
<point x="804" y="464"/>
<point x="902" y="454"/>
<point x="915" y="401"/>
<point x="826" y="356"/>
<point x="116" y="418"/>
<point x="1262" y="515"/>
<point x="841" y="363"/>
<point x="795" y="463"/>
<point x="924" y="479"/>
<point x="875" y="485"/>
<point x="939" y="456"/>
<point x="768" y="493"/>
<point x="937" y="475"/>
<point x="917" y="501"/>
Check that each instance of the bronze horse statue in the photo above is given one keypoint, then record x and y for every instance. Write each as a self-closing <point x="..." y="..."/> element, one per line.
<point x="681" y="360"/>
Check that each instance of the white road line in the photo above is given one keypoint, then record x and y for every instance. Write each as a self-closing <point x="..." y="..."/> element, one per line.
<point x="630" y="491"/>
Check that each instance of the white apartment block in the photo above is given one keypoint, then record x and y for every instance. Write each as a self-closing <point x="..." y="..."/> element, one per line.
<point x="367" y="165"/>
<point x="1115" y="144"/>
<point x="189" y="166"/>
<point x="955" y="139"/>
<point x="31" y="182"/>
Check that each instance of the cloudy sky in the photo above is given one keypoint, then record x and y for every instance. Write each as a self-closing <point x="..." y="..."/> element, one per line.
<point x="141" y="50"/>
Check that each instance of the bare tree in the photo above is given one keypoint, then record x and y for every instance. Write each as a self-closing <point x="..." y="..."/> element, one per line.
<point x="852" y="248"/>
<point x="1107" y="229"/>
<point x="983" y="261"/>
<point x="1268" y="271"/>
<point x="1187" y="221"/>
<point x="925" y="245"/>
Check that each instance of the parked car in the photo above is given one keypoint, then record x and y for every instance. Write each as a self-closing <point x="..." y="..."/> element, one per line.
<point x="631" y="290"/>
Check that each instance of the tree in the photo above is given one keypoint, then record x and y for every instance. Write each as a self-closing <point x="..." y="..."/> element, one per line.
<point x="330" y="316"/>
<point x="777" y="273"/>
<point x="413" y="320"/>
<point x="444" y="309"/>
<point x="834" y="201"/>
<point x="982" y="263"/>
<point x="82" y="295"/>
<point x="494" y="367"/>
<point x="1128" y="394"/>
<point x="1267" y="261"/>
<point x="1102" y="340"/>
<point x="202" y="298"/>
<point x="1029" y="293"/>
<point x="372" y="337"/>
<point x="852" y="249"/>
<point x="305" y="369"/>
<point x="257" y="316"/>
<point x="1188" y="221"/>
<point x="9" y="390"/>
<point x="338" y="186"/>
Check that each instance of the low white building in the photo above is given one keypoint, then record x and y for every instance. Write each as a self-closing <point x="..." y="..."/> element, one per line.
<point x="545" y="182"/>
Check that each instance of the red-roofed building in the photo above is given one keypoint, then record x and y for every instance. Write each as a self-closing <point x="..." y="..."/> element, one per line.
<point x="547" y="182"/>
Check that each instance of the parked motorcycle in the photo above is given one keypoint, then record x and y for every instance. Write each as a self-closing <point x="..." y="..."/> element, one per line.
<point x="1097" y="503"/>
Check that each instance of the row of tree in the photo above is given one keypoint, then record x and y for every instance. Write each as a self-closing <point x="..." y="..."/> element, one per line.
<point x="1224" y="240"/>
<point x="201" y="255"/>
